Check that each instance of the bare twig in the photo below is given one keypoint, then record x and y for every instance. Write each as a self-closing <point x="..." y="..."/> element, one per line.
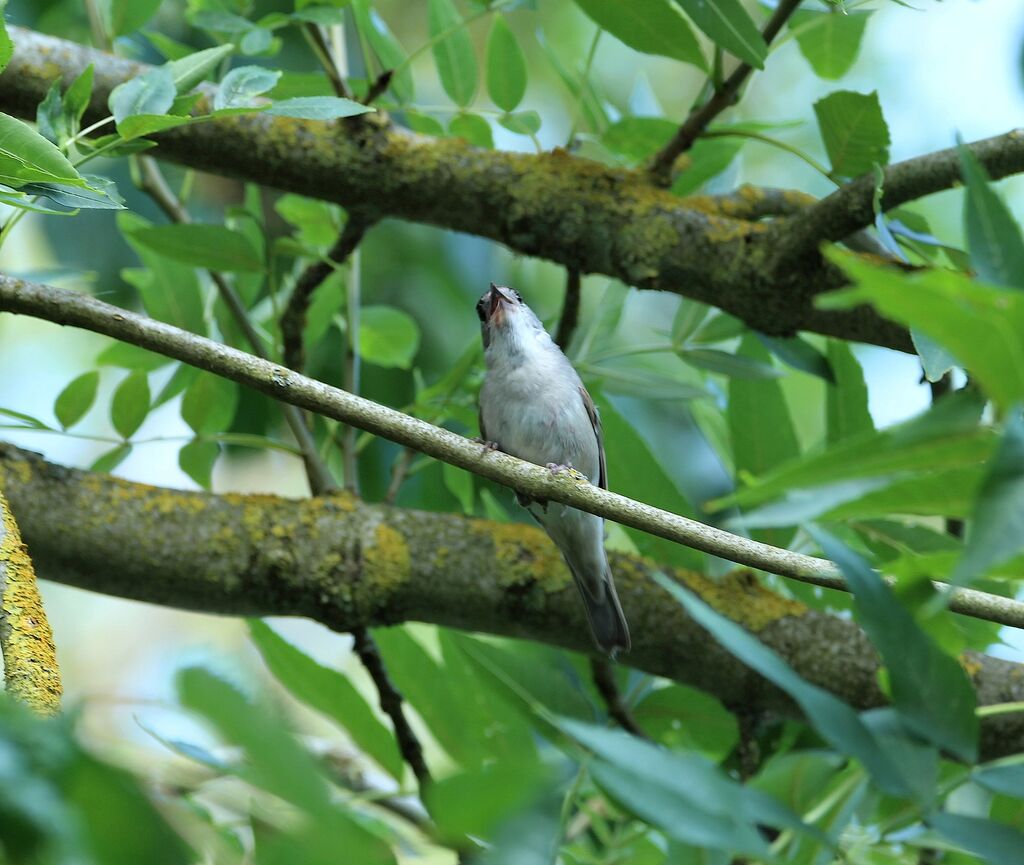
<point x="379" y="87"/>
<point x="570" y="309"/>
<point x="78" y="310"/>
<point x="661" y="165"/>
<point x="315" y="36"/>
<point x="603" y="672"/>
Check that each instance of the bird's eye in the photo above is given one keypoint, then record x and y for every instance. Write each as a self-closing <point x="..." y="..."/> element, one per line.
<point x="519" y="297"/>
<point x="481" y="314"/>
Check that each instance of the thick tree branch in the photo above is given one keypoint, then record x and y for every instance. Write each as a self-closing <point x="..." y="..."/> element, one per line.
<point x="700" y="118"/>
<point x="348" y="564"/>
<point x="72" y="308"/>
<point x="575" y="212"/>
<point x="31" y="674"/>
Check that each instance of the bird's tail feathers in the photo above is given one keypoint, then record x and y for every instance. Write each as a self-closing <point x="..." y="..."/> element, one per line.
<point x="604" y="612"/>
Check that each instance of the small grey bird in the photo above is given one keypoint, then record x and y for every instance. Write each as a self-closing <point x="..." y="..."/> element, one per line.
<point x="534" y="406"/>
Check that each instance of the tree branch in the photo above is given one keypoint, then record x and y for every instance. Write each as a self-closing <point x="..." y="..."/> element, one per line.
<point x="602" y="671"/>
<point x="72" y="308"/>
<point x="700" y="118"/>
<point x="564" y="208"/>
<point x="570" y="309"/>
<point x="31" y="674"/>
<point x="348" y="564"/>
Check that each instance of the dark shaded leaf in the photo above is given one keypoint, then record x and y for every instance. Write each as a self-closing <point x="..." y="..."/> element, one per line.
<point x="730" y="27"/>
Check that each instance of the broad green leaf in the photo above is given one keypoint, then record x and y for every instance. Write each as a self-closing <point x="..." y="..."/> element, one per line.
<point x="1003" y="777"/>
<point x="730" y="27"/>
<point x="187" y="72"/>
<point x="531" y="837"/>
<point x="729" y="364"/>
<point x="50" y="120"/>
<point x="196" y="459"/>
<point x="460" y="484"/>
<point x="130" y="356"/>
<point x="798" y="778"/>
<point x="996" y="843"/>
<point x="76" y="399"/>
<point x="707" y="158"/>
<point x="637" y="138"/>
<point x="76" y="97"/>
<point x="318" y="108"/>
<point x="317" y="222"/>
<point x="388" y="336"/>
<point x="209" y="404"/>
<point x="238" y="88"/>
<point x="685" y="719"/>
<point x="650" y="26"/>
<point x="130" y="403"/>
<point x="181" y="378"/>
<point x="522" y="122"/>
<point x="688" y="796"/>
<point x="997" y="523"/>
<point x="127" y="16"/>
<point x="854" y="131"/>
<point x="373" y="29"/>
<point x="993" y="235"/>
<point x="329" y="692"/>
<point x="474" y="802"/>
<point x="930" y="689"/>
<point x="424" y="124"/>
<point x="935" y="360"/>
<point x="202" y="245"/>
<point x="506" y="66"/>
<point x="980" y="324"/>
<point x="799" y="354"/>
<point x="474" y="128"/>
<point x="834" y="721"/>
<point x="152" y="92"/>
<point x="829" y="41"/>
<point x="107" y="462"/>
<point x="6" y="44"/>
<point x="102" y="194"/>
<point x="453" y="54"/>
<point x="846" y="401"/>
<point x="27" y="157"/>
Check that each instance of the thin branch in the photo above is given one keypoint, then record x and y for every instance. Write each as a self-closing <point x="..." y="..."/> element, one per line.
<point x="603" y="673"/>
<point x="315" y="36"/>
<point x="399" y="472"/>
<point x="379" y="87"/>
<point x="152" y="182"/>
<point x="661" y="165"/>
<point x="570" y="309"/>
<point x="31" y="674"/>
<point x="77" y="310"/>
<point x="293" y="319"/>
<point x="850" y="208"/>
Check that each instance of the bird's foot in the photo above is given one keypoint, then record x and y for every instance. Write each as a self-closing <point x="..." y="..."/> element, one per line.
<point x="558" y="468"/>
<point x="486" y="446"/>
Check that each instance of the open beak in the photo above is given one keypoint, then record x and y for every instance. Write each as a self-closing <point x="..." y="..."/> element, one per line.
<point x="496" y="302"/>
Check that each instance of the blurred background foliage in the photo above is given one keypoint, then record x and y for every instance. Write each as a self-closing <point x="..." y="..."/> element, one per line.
<point x="191" y="738"/>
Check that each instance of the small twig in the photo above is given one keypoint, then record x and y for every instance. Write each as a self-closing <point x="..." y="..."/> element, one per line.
<point x="293" y="319"/>
<point x="31" y="674"/>
<point x="399" y="472"/>
<point x="940" y="389"/>
<point x="350" y="379"/>
<point x="570" y="309"/>
<point x="391" y="703"/>
<point x="603" y="672"/>
<point x="315" y="36"/>
<point x="379" y="87"/>
<point x="660" y="168"/>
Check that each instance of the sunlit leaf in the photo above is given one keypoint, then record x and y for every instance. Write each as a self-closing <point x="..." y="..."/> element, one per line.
<point x="388" y="336"/>
<point x="127" y="16"/>
<point x="830" y="41"/>
<point x="730" y="26"/>
<point x="130" y="403"/>
<point x="27" y="157"/>
<point x="506" y="66"/>
<point x="239" y="87"/>
<point x="202" y="245"/>
<point x="76" y="399"/>
<point x="650" y="26"/>
<point x="474" y="128"/>
<point x="854" y="131"/>
<point x="453" y="54"/>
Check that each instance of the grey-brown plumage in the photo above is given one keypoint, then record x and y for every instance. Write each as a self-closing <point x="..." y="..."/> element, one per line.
<point x="534" y="406"/>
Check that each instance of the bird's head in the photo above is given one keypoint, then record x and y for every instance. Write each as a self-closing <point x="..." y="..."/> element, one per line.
<point x="504" y="317"/>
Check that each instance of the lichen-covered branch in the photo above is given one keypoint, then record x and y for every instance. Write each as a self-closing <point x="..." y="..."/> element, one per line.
<point x="72" y="308"/>
<point x="349" y="564"/>
<point x="31" y="674"/>
<point x="558" y="206"/>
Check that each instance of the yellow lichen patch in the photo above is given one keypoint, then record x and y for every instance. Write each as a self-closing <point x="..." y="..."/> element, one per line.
<point x="972" y="665"/>
<point x="20" y="469"/>
<point x="740" y="596"/>
<point x="523" y="555"/>
<point x="30" y="658"/>
<point x="386" y="564"/>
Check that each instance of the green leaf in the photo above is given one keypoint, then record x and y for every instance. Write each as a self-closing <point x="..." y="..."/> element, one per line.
<point x="373" y="29"/>
<point x="152" y="92"/>
<point x="730" y="27"/>
<point x="650" y="26"/>
<point x="318" y="108"/>
<point x="424" y="124"/>
<point x="935" y="360"/>
<point x="102" y="195"/>
<point x="202" y="245"/>
<point x="846" y="401"/>
<point x="187" y="72"/>
<point x="997" y="523"/>
<point x="50" y="119"/>
<point x="25" y="419"/>
<point x="474" y="128"/>
<point x="726" y="363"/>
<point x="196" y="459"/>
<point x="993" y="235"/>
<point x="239" y="87"/>
<point x="76" y="399"/>
<point x="130" y="403"/>
<point x="1003" y="777"/>
<point x="854" y="131"/>
<point x="799" y="354"/>
<point x="522" y="122"/>
<point x="708" y="157"/>
<point x="6" y="44"/>
<point x="127" y="16"/>
<point x="637" y="138"/>
<point x="109" y="461"/>
<point x="829" y="41"/>
<point x="330" y="693"/>
<point x="930" y="689"/>
<point x="506" y="66"/>
<point x="460" y="484"/>
<point x="835" y="722"/>
<point x="388" y="336"/>
<point x="209" y="404"/>
<point x="981" y="325"/>
<point x="76" y="97"/>
<point x="456" y="63"/>
<point x="130" y="356"/>
<point x="27" y="157"/>
<point x="996" y="843"/>
<point x="685" y="719"/>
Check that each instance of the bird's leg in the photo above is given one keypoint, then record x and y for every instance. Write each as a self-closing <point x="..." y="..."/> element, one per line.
<point x="486" y="445"/>
<point x="558" y="468"/>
